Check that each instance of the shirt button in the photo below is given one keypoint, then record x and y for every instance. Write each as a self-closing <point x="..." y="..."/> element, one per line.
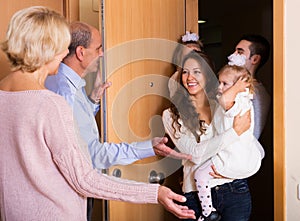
<point x="217" y="188"/>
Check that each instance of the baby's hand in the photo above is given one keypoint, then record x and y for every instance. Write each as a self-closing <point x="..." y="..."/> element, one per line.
<point x="241" y="84"/>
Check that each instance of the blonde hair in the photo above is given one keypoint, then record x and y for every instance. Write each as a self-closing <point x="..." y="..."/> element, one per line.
<point x="34" y="36"/>
<point x="238" y="71"/>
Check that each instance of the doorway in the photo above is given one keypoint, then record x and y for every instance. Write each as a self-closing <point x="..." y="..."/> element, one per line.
<point x="225" y="22"/>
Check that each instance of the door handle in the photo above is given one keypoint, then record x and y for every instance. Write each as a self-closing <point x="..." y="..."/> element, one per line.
<point x="155" y="177"/>
<point x="117" y="172"/>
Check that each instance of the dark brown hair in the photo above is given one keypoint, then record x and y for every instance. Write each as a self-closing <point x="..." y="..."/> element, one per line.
<point x="182" y="106"/>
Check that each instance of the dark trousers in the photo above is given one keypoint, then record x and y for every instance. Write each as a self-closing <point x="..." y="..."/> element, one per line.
<point x="90" y="205"/>
<point x="232" y="201"/>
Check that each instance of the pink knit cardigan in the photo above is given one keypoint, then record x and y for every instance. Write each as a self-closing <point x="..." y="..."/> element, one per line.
<point x="43" y="173"/>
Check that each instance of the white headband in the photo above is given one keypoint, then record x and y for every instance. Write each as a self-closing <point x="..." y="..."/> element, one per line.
<point x="189" y="37"/>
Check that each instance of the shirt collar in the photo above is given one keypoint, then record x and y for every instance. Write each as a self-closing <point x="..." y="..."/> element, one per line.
<point x="72" y="76"/>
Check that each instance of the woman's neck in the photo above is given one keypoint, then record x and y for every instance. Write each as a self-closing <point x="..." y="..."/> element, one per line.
<point x="20" y="81"/>
<point x="202" y="106"/>
<point x="200" y="100"/>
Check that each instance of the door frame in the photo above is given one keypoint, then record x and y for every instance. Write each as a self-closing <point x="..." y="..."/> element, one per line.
<point x="279" y="111"/>
<point x="278" y="106"/>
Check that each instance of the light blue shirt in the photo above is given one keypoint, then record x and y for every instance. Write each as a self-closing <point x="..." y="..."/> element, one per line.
<point x="71" y="86"/>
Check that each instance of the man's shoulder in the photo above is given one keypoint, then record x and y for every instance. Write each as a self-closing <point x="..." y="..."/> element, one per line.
<point x="58" y="83"/>
<point x="260" y="92"/>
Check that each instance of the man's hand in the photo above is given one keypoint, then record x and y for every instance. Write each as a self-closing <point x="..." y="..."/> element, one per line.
<point x="160" y="148"/>
<point x="166" y="198"/>
<point x="98" y="90"/>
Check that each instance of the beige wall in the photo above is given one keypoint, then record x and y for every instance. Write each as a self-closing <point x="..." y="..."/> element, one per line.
<point x="89" y="12"/>
<point x="292" y="105"/>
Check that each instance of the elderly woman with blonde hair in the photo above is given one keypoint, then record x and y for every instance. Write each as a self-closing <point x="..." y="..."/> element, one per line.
<point x="43" y="173"/>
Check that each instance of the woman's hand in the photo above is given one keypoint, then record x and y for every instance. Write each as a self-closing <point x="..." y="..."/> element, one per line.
<point x="215" y="174"/>
<point x="242" y="123"/>
<point x="166" y="198"/>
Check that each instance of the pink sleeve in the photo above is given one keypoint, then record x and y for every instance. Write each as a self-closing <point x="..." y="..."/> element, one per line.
<point x="63" y="145"/>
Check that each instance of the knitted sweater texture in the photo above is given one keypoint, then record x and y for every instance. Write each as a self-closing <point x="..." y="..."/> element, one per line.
<point x="43" y="173"/>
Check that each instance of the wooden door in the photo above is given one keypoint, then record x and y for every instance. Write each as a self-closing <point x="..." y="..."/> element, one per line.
<point x="68" y="8"/>
<point x="139" y="40"/>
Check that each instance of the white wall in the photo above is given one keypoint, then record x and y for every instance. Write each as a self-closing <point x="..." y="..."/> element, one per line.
<point x="292" y="98"/>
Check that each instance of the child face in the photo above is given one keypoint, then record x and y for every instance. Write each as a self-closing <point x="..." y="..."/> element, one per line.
<point x="226" y="81"/>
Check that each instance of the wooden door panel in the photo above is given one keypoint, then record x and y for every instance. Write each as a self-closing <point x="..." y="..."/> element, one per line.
<point x="138" y="63"/>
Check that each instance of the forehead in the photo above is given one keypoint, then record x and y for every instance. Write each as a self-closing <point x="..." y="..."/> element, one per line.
<point x="189" y="47"/>
<point x="228" y="75"/>
<point x="243" y="44"/>
<point x="191" y="62"/>
<point x="193" y="46"/>
<point x="96" y="37"/>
